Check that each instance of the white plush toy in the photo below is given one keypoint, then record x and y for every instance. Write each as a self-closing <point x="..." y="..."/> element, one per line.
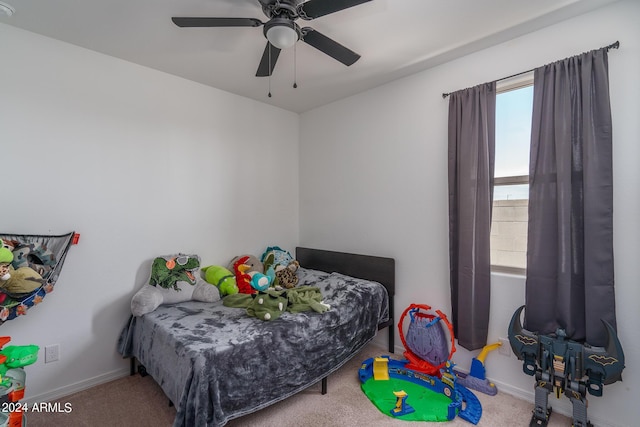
<point x="174" y="278"/>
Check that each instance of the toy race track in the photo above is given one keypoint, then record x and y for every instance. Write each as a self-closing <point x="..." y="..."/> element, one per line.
<point x="415" y="396"/>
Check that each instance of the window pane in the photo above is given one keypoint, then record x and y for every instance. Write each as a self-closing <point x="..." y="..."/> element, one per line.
<point x="509" y="233"/>
<point x="511" y="192"/>
<point x="513" y="131"/>
<point x="511" y="199"/>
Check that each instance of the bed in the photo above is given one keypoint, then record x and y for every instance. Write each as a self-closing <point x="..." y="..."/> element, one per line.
<point x="216" y="363"/>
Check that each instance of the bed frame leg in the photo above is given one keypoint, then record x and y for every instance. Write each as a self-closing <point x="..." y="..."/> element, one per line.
<point x="142" y="371"/>
<point x="324" y="386"/>
<point x="392" y="329"/>
<point x="139" y="369"/>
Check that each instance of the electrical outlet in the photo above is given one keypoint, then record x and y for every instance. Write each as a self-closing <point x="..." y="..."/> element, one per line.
<point x="52" y="353"/>
<point x="505" y="348"/>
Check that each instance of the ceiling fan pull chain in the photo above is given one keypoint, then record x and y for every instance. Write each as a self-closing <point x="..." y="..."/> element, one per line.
<point x="270" y="70"/>
<point x="295" y="67"/>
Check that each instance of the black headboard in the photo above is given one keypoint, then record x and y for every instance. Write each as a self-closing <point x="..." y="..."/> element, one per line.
<point x="378" y="269"/>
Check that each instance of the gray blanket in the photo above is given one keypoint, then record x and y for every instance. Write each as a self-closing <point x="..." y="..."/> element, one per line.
<point x="217" y="363"/>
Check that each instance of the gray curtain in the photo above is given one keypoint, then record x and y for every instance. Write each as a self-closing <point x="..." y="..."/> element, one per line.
<point x="471" y="166"/>
<point x="570" y="245"/>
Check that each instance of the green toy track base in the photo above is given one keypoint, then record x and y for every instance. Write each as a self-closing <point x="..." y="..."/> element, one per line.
<point x="428" y="404"/>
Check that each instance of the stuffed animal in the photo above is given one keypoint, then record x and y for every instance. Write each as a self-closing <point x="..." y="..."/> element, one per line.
<point x="270" y="271"/>
<point x="280" y="265"/>
<point x="221" y="278"/>
<point x="249" y="273"/>
<point x="250" y="260"/>
<point x="21" y="282"/>
<point x="268" y="305"/>
<point x="6" y="257"/>
<point x="17" y="283"/>
<point x="241" y="268"/>
<point x="277" y="256"/>
<point x="34" y="255"/>
<point x="287" y="275"/>
<point x="173" y="280"/>
<point x="259" y="281"/>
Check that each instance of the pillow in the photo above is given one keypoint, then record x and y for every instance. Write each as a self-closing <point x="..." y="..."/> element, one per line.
<point x="173" y="279"/>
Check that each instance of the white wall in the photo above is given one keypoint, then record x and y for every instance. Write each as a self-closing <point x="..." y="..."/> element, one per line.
<point x="373" y="179"/>
<point x="140" y="163"/>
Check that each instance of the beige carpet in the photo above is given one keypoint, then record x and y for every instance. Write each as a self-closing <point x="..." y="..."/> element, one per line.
<point x="135" y="401"/>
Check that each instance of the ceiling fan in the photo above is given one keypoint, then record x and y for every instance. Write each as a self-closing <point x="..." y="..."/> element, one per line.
<point x="282" y="31"/>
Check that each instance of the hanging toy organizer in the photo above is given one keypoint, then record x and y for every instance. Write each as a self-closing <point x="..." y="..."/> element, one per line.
<point x="45" y="255"/>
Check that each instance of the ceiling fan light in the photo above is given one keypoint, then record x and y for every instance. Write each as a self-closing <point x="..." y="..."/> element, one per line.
<point x="6" y="8"/>
<point x="282" y="36"/>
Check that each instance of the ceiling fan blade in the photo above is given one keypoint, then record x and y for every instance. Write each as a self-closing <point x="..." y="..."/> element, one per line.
<point x="217" y="22"/>
<point x="329" y="46"/>
<point x="315" y="8"/>
<point x="263" y="69"/>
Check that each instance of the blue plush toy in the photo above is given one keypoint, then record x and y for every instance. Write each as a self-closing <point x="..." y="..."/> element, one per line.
<point x="280" y="256"/>
<point x="260" y="281"/>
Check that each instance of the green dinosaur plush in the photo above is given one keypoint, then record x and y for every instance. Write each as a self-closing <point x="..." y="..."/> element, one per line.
<point x="265" y="305"/>
<point x="269" y="264"/>
<point x="268" y="305"/>
<point x="173" y="279"/>
<point x="16" y="356"/>
<point x="221" y="278"/>
<point x="6" y="256"/>
<point x="167" y="272"/>
<point x="19" y="356"/>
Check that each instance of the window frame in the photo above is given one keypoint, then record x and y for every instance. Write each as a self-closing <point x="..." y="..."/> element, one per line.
<point x="507" y="85"/>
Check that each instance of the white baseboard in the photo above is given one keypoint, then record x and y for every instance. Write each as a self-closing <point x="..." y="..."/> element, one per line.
<point x="529" y="396"/>
<point x="76" y="387"/>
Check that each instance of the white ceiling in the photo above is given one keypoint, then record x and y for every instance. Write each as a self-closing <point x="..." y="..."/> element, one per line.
<point x="394" y="37"/>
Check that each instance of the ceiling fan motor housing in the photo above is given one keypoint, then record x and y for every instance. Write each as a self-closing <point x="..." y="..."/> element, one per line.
<point x="275" y="8"/>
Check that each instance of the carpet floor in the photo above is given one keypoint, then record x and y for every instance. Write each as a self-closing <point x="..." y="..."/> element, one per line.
<point x="139" y="402"/>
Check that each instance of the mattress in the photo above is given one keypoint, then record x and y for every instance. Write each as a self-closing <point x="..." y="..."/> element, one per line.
<point x="216" y="363"/>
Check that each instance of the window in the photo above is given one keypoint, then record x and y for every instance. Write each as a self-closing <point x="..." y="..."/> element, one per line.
<point x="514" y="104"/>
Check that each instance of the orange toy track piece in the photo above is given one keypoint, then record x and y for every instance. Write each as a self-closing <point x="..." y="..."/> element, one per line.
<point x="415" y="362"/>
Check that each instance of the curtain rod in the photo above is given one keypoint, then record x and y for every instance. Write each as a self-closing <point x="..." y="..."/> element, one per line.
<point x="611" y="46"/>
